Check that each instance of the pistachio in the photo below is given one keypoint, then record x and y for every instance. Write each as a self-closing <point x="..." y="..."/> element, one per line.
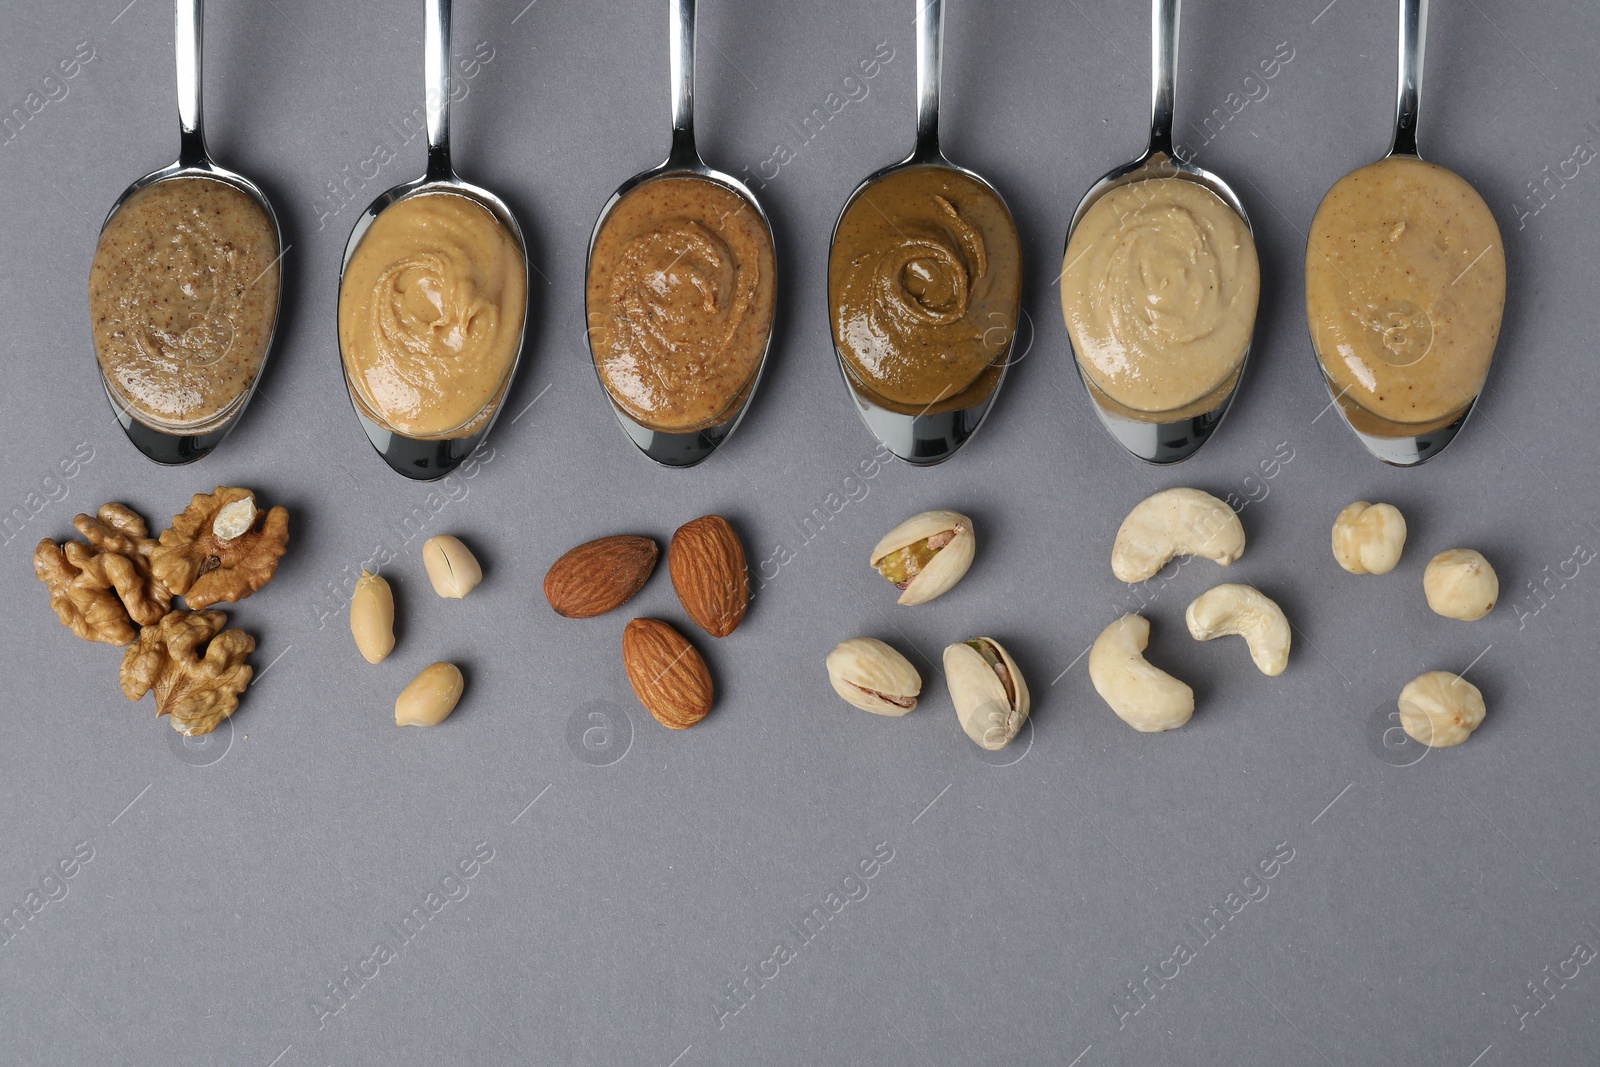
<point x="431" y="696"/>
<point x="452" y="568"/>
<point x="870" y="675"/>
<point x="925" y="555"/>
<point x="990" y="696"/>
<point x="372" y="617"/>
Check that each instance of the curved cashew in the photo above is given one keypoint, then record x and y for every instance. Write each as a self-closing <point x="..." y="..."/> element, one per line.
<point x="1175" y="522"/>
<point x="1144" y="697"/>
<point x="1368" y="538"/>
<point x="1243" y="610"/>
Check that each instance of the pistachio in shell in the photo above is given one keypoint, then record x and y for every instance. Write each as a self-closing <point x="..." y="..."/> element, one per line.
<point x="925" y="555"/>
<point x="872" y="676"/>
<point x="988" y="691"/>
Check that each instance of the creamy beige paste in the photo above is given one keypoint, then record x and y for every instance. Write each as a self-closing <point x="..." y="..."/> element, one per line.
<point x="183" y="294"/>
<point x="430" y="314"/>
<point x="1159" y="288"/>
<point x="1405" y="287"/>
<point x="679" y="297"/>
<point x="923" y="284"/>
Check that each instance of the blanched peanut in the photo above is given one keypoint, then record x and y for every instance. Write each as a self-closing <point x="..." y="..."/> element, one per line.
<point x="452" y="568"/>
<point x="431" y="696"/>
<point x="372" y="617"/>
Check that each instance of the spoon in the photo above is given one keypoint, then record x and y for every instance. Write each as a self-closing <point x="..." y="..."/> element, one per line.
<point x="428" y="458"/>
<point x="927" y="437"/>
<point x="190" y="443"/>
<point x="680" y="449"/>
<point x="1161" y="442"/>
<point x="1398" y="444"/>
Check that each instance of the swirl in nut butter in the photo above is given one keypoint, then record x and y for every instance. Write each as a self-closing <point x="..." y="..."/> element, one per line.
<point x="430" y="314"/>
<point x="923" y="283"/>
<point x="1405" y="287"/>
<point x="679" y="297"/>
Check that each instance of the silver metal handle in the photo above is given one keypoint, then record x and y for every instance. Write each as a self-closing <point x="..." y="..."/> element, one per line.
<point x="930" y="58"/>
<point x="186" y="38"/>
<point x="1413" y="39"/>
<point x="680" y="45"/>
<point x="1164" y="16"/>
<point x="436" y="78"/>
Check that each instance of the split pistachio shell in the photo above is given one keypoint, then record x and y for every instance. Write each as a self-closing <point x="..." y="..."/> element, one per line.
<point x="988" y="691"/>
<point x="926" y="555"/>
<point x="431" y="696"/>
<point x="452" y="568"/>
<point x="372" y="617"/>
<point x="870" y="675"/>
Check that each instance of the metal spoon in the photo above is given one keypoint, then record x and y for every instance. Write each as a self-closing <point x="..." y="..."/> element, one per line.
<point x="415" y="457"/>
<point x="928" y="437"/>
<point x="1162" y="442"/>
<point x="1405" y="448"/>
<point x="184" y="446"/>
<point x="668" y="448"/>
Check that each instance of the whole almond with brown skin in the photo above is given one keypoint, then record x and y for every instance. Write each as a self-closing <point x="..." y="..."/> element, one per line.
<point x="599" y="576"/>
<point x="708" y="571"/>
<point x="667" y="674"/>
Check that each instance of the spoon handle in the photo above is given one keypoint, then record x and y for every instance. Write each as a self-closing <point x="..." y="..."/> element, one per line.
<point x="1164" y="15"/>
<point x="680" y="59"/>
<point x="186" y="38"/>
<point x="436" y="77"/>
<point x="1413" y="38"/>
<point x="930" y="57"/>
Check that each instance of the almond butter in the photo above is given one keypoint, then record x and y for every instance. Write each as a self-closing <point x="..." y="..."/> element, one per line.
<point x="599" y="576"/>
<point x="706" y="561"/>
<point x="667" y="674"/>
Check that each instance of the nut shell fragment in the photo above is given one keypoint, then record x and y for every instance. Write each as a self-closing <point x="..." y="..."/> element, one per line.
<point x="988" y="691"/>
<point x="926" y="555"/>
<point x="706" y="561"/>
<point x="1440" y="709"/>
<point x="195" y="561"/>
<point x="666" y="673"/>
<point x="1171" y="523"/>
<point x="600" y="575"/>
<point x="872" y="676"/>
<point x="195" y="672"/>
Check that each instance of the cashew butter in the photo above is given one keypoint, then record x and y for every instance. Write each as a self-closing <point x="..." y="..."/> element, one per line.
<point x="431" y="310"/>
<point x="1405" y="287"/>
<point x="1159" y="288"/>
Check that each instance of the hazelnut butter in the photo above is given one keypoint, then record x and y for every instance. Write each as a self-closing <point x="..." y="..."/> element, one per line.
<point x="183" y="295"/>
<point x="923" y="285"/>
<point x="431" y="310"/>
<point x="1405" y="287"/>
<point x="679" y="298"/>
<point x="1159" y="290"/>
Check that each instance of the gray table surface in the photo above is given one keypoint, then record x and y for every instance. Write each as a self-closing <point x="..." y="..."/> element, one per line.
<point x="644" y="896"/>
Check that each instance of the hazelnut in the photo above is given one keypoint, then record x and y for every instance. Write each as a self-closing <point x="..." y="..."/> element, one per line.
<point x="1460" y="584"/>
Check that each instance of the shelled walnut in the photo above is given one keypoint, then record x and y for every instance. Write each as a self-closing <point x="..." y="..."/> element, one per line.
<point x="195" y="671"/>
<point x="101" y="589"/>
<point x="221" y="548"/>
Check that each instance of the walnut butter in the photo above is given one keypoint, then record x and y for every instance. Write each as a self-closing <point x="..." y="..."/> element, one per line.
<point x="431" y="311"/>
<point x="183" y="295"/>
<point x="1159" y="288"/>
<point x="679" y="298"/>
<point x="923" y="286"/>
<point x="1405" y="287"/>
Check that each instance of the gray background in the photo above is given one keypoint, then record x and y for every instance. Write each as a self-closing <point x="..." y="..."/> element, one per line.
<point x="232" y="881"/>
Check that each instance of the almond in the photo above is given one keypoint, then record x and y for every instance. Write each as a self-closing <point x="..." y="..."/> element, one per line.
<point x="708" y="571"/>
<point x="667" y="674"/>
<point x="599" y="576"/>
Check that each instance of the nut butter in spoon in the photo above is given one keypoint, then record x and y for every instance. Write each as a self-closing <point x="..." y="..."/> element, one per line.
<point x="184" y="287"/>
<point x="924" y="286"/>
<point x="1405" y="287"/>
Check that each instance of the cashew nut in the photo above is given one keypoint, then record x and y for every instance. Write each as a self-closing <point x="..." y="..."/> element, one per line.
<point x="1246" y="611"/>
<point x="1368" y="538"/>
<point x="1145" y="697"/>
<point x="1175" y="522"/>
<point x="1460" y="584"/>
<point x="1440" y="709"/>
<point x="372" y="617"/>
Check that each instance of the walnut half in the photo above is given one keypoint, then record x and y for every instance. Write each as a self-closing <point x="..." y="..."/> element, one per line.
<point x="221" y="548"/>
<point x="196" y="673"/>
<point x="101" y="589"/>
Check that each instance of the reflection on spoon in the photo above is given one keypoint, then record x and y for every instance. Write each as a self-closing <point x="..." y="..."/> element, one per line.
<point x="184" y="287"/>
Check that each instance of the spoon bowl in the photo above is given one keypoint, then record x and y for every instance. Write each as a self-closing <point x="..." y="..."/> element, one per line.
<point x="163" y="443"/>
<point x="1158" y="438"/>
<point x="434" y="456"/>
<point x="928" y="437"/>
<point x="666" y="447"/>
